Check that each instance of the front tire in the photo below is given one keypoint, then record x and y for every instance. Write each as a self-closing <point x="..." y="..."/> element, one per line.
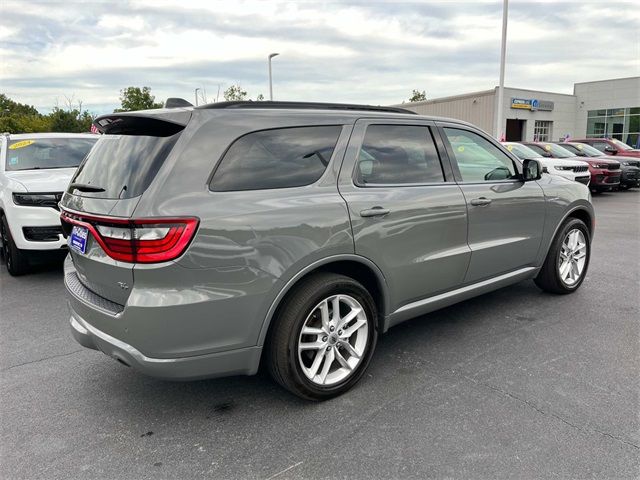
<point x="14" y="258"/>
<point x="568" y="258"/>
<point x="324" y="337"/>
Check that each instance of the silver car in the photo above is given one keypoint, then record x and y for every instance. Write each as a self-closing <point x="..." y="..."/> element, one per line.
<point x="206" y="241"/>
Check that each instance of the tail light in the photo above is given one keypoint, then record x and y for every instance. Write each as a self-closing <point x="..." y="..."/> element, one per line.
<point x="142" y="240"/>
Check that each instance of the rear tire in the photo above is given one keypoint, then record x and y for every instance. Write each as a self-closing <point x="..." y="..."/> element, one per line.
<point x="335" y="351"/>
<point x="14" y="258"/>
<point x="567" y="261"/>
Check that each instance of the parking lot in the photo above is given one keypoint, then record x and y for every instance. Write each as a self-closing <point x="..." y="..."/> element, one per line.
<point x="514" y="384"/>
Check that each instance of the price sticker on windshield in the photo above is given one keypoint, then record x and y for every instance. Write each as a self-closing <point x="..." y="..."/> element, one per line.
<point x="22" y="144"/>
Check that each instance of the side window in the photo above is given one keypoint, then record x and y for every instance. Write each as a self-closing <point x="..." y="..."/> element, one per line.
<point x="398" y="154"/>
<point x="478" y="159"/>
<point x="280" y="158"/>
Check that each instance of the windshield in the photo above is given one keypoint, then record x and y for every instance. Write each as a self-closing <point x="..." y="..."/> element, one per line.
<point x="521" y="151"/>
<point x="620" y="145"/>
<point x="557" y="151"/>
<point x="121" y="166"/>
<point x="588" y="150"/>
<point x="41" y="153"/>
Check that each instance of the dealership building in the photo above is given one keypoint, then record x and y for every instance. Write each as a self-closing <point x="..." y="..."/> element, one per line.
<point x="606" y="108"/>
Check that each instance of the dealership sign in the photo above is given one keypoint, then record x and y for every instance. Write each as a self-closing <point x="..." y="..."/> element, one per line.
<point x="531" y="104"/>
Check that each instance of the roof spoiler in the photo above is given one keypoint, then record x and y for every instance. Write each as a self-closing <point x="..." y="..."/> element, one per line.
<point x="154" y="123"/>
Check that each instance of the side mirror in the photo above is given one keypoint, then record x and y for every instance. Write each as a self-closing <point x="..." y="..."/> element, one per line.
<point x="610" y="149"/>
<point x="531" y="170"/>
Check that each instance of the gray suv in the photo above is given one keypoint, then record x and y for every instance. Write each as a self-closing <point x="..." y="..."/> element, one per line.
<point x="207" y="241"/>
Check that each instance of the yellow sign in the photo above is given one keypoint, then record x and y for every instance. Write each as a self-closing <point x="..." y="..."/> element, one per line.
<point x="547" y="147"/>
<point x="461" y="148"/>
<point x="22" y="144"/>
<point x="509" y="147"/>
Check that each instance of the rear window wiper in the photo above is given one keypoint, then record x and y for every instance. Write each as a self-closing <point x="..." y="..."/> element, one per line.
<point x="83" y="187"/>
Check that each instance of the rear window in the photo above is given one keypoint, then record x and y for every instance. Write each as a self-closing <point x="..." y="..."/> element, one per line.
<point x="279" y="158"/>
<point x="122" y="166"/>
<point x="41" y="153"/>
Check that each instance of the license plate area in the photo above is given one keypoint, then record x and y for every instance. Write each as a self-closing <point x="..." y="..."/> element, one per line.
<point x="78" y="239"/>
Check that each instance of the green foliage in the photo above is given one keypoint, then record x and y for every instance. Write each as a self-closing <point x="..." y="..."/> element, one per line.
<point x="418" y="96"/>
<point x="136" y="98"/>
<point x="235" y="92"/>
<point x="20" y="118"/>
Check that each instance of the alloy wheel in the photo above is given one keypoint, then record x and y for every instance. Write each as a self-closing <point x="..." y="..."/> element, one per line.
<point x="573" y="257"/>
<point x="333" y="340"/>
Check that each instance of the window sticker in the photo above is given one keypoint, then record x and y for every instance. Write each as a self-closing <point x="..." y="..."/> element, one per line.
<point x="461" y="149"/>
<point x="547" y="147"/>
<point x="22" y="144"/>
<point x="509" y="147"/>
<point x="579" y="147"/>
<point x="13" y="161"/>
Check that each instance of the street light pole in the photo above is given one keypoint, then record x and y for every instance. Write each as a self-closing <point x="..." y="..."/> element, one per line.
<point x="271" y="55"/>
<point x="196" y="94"/>
<point x="503" y="54"/>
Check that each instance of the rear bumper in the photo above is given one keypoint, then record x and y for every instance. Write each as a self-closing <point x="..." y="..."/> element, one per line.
<point x="243" y="361"/>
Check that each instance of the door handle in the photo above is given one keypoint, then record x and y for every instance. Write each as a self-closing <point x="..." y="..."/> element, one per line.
<point x="374" y="212"/>
<point x="479" y="202"/>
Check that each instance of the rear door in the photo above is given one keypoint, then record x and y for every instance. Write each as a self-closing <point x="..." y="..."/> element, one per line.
<point x="103" y="195"/>
<point x="506" y="215"/>
<point x="407" y="212"/>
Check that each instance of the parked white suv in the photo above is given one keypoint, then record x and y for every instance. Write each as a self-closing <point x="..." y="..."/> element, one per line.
<point x="576" y="170"/>
<point x="35" y="169"/>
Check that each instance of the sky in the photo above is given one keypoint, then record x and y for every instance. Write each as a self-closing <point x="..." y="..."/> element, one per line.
<point x="373" y="52"/>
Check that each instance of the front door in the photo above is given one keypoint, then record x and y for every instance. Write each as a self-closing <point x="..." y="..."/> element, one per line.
<point x="408" y="215"/>
<point x="506" y="215"/>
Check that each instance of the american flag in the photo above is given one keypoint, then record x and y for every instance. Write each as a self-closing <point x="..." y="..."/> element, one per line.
<point x="94" y="129"/>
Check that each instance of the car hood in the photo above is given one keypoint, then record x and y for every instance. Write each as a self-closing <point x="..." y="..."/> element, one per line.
<point x="562" y="162"/>
<point x="49" y="180"/>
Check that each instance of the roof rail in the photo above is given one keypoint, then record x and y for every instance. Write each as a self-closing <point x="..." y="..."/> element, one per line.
<point x="305" y="106"/>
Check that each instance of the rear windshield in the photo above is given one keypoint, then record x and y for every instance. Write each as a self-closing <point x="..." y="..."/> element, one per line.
<point x="37" y="153"/>
<point x="122" y="166"/>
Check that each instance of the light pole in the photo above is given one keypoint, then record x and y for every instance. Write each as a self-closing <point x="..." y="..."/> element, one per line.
<point x="503" y="53"/>
<point x="271" y="55"/>
<point x="196" y="94"/>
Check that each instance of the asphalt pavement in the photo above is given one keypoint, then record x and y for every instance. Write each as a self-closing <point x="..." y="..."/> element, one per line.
<point x="513" y="384"/>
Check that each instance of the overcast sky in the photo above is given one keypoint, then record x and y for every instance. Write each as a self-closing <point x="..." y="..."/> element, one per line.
<point x="364" y="52"/>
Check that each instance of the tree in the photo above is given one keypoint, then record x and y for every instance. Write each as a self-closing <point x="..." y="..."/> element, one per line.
<point x="71" y="120"/>
<point x="260" y="98"/>
<point x="136" y="98"/>
<point x="234" y="93"/>
<point x="418" y="96"/>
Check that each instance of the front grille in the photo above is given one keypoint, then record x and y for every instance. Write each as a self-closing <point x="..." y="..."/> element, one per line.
<point x="42" y="234"/>
<point x="580" y="169"/>
<point x="613" y="179"/>
<point x="614" y="166"/>
<point x="584" y="180"/>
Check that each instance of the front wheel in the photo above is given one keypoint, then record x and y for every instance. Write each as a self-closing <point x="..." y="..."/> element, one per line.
<point x="324" y="337"/>
<point x="14" y="258"/>
<point x="568" y="258"/>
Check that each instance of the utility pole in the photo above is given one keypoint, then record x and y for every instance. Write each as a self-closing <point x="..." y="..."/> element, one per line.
<point x="271" y="55"/>
<point x="503" y="54"/>
<point x="196" y="94"/>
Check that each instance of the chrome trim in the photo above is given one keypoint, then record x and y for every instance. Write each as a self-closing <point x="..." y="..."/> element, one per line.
<point x="462" y="290"/>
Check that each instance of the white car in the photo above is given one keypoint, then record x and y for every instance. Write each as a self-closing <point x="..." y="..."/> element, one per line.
<point x="575" y="170"/>
<point x="35" y="170"/>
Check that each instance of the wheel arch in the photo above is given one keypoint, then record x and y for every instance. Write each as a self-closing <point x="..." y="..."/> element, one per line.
<point x="582" y="212"/>
<point x="354" y="266"/>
